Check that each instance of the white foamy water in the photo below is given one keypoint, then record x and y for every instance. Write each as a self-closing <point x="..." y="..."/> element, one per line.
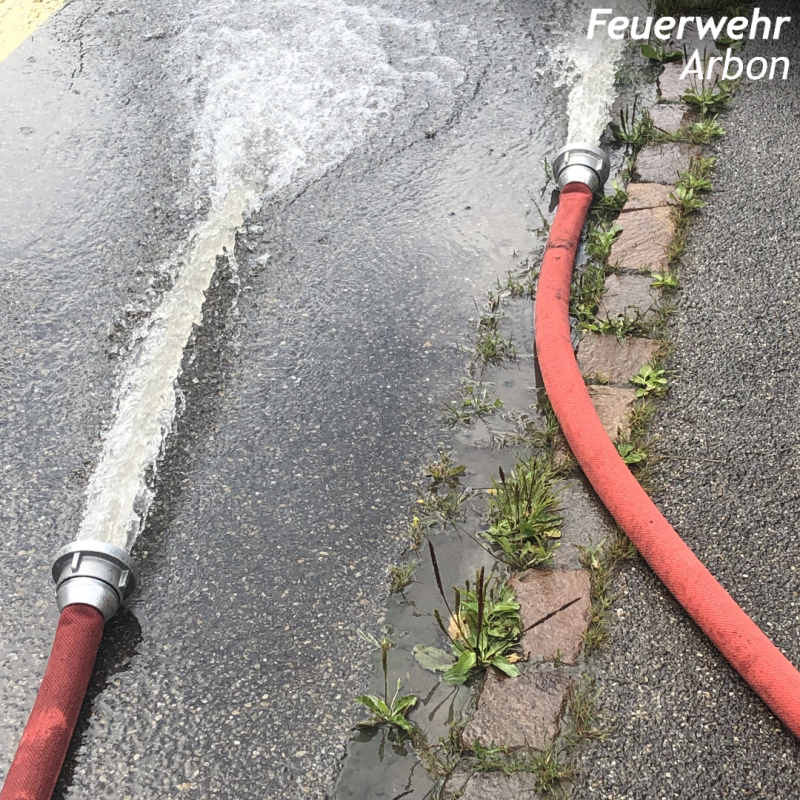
<point x="286" y="95"/>
<point x="591" y="71"/>
<point x="593" y="91"/>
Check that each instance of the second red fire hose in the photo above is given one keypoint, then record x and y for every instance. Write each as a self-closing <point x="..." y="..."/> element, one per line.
<point x="736" y="636"/>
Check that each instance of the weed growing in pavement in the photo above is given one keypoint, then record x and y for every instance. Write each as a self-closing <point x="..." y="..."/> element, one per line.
<point x="664" y="280"/>
<point x="521" y="283"/>
<point x="440" y="509"/>
<point x="639" y="420"/>
<point x="649" y="381"/>
<point x="696" y="179"/>
<point x="600" y="240"/>
<point x="603" y="562"/>
<point x="678" y="243"/>
<point x="543" y="231"/>
<point x="698" y="176"/>
<point x="442" y="758"/>
<point x="549" y="175"/>
<point x="587" y="289"/>
<point x="626" y="173"/>
<point x="475" y="403"/>
<point x="549" y="769"/>
<point x="400" y="575"/>
<point x="633" y="129"/>
<point x="709" y="99"/>
<point x="632" y="323"/>
<point x="634" y="449"/>
<point x="543" y="438"/>
<point x="441" y="503"/>
<point x="491" y="347"/>
<point x="701" y="132"/>
<point x="601" y="568"/>
<point x="616" y="326"/>
<point x="484" y="627"/>
<point x="583" y="717"/>
<point x="705" y="131"/>
<point x="703" y="166"/>
<point x="525" y="523"/>
<point x="496" y="759"/>
<point x="553" y="766"/>
<point x="546" y="765"/>
<point x="588" y="285"/>
<point x="631" y="454"/>
<point x="687" y="199"/>
<point x="607" y="208"/>
<point x="660" y="53"/>
<point x="619" y="548"/>
<point x="385" y="710"/>
<point x="656" y="326"/>
<point x="445" y="472"/>
<point x="416" y="531"/>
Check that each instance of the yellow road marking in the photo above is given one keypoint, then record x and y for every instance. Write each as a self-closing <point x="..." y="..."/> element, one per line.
<point x="20" y="18"/>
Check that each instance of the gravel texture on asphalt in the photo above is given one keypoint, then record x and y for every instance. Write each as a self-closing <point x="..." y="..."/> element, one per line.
<point x="728" y="460"/>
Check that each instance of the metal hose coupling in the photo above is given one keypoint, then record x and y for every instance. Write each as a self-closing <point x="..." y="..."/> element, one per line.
<point x="581" y="163"/>
<point x="94" y="573"/>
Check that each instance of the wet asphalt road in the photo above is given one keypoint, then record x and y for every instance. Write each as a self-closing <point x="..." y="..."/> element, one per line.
<point x="312" y="393"/>
<point x="683" y="724"/>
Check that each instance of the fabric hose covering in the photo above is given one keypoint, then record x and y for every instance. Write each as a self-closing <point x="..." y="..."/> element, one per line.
<point x="736" y="636"/>
<point x="40" y="755"/>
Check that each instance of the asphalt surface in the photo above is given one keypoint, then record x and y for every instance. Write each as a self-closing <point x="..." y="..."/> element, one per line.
<point x="683" y="725"/>
<point x="312" y="394"/>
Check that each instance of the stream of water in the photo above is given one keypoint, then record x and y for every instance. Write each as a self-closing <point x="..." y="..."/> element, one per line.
<point x="283" y="103"/>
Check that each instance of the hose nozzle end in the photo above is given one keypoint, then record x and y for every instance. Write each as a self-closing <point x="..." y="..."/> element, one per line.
<point x="93" y="573"/>
<point x="582" y="163"/>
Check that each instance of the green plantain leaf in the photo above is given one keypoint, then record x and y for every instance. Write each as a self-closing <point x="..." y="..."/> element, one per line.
<point x="402" y="722"/>
<point x="648" y="51"/>
<point x="459" y="672"/>
<point x="504" y="665"/>
<point x="404" y="703"/>
<point x="375" y="704"/>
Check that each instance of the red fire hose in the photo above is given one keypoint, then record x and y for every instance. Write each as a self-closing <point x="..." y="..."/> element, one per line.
<point x="737" y="637"/>
<point x="37" y="764"/>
